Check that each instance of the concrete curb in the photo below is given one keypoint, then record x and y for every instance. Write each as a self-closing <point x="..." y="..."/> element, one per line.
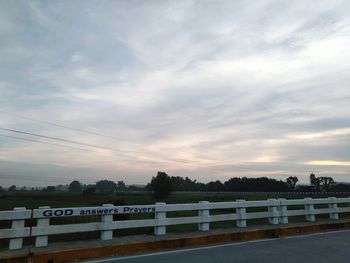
<point x="69" y="255"/>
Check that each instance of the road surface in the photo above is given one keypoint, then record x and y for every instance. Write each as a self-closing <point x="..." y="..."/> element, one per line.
<point x="313" y="248"/>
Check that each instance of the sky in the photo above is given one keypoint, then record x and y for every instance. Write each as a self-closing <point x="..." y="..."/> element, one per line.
<point x="211" y="90"/>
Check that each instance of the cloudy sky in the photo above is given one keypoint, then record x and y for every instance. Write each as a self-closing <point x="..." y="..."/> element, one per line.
<point x="204" y="89"/>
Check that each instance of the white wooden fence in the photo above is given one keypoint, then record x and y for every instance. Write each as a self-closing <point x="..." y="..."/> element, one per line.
<point x="277" y="211"/>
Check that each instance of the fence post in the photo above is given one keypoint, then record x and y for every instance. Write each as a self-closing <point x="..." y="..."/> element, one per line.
<point x="105" y="219"/>
<point x="41" y="241"/>
<point x="204" y="214"/>
<point x="160" y="228"/>
<point x="241" y="214"/>
<point x="17" y="243"/>
<point x="309" y="208"/>
<point x="333" y="205"/>
<point x="283" y="219"/>
<point x="273" y="212"/>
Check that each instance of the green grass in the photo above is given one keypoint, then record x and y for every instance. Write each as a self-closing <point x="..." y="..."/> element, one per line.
<point x="33" y="200"/>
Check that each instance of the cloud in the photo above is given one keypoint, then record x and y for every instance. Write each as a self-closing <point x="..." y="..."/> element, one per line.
<point x="320" y="135"/>
<point x="328" y="163"/>
<point x="193" y="88"/>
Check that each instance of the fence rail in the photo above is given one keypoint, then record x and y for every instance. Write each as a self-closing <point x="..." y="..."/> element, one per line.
<point x="276" y="211"/>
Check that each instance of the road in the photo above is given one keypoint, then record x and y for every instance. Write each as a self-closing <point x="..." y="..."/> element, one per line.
<point x="313" y="248"/>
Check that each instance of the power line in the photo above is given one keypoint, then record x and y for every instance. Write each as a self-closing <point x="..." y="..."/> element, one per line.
<point x="74" y="129"/>
<point x="183" y="161"/>
<point x="54" y="138"/>
<point x="49" y="143"/>
<point x="61" y="145"/>
<point x="89" y="145"/>
<point x="79" y="130"/>
<point x="215" y="168"/>
<point x="209" y="168"/>
<point x="57" y="125"/>
<point x="101" y="135"/>
<point x="89" y="150"/>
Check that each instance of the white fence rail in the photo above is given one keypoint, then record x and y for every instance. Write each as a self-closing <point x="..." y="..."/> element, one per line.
<point x="18" y="230"/>
<point x="276" y="211"/>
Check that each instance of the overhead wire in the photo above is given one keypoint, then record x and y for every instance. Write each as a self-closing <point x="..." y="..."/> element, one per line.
<point x="57" y="125"/>
<point x="83" y="131"/>
<point x="113" y="150"/>
<point x="92" y="133"/>
<point x="76" y="129"/>
<point x="67" y="146"/>
<point x="98" y="146"/>
<point x="122" y="153"/>
<point x="61" y="145"/>
<point x="49" y="143"/>
<point x="90" y="145"/>
<point x="53" y="138"/>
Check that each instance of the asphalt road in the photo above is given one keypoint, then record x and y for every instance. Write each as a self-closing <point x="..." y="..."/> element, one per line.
<point x="315" y="248"/>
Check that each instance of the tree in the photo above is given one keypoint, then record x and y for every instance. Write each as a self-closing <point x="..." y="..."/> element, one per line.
<point x="291" y="182"/>
<point x="326" y="183"/>
<point x="313" y="180"/>
<point x="51" y="189"/>
<point x="106" y="187"/>
<point x="121" y="186"/>
<point x="321" y="183"/>
<point x="12" y="188"/>
<point x="161" y="185"/>
<point x="260" y="184"/>
<point x="185" y="184"/>
<point x="216" y="186"/>
<point x="75" y="187"/>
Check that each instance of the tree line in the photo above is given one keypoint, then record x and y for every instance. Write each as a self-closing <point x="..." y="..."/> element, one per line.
<point x="234" y="184"/>
<point x="162" y="184"/>
<point x="102" y="187"/>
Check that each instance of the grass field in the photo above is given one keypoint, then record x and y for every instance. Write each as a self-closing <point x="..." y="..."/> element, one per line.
<point x="35" y="199"/>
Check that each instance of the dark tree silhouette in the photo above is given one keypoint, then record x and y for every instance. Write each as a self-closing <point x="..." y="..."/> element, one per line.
<point x="326" y="183"/>
<point x="260" y="184"/>
<point x="321" y="183"/>
<point x="216" y="186"/>
<point x="161" y="185"/>
<point x="186" y="184"/>
<point x="50" y="188"/>
<point x="121" y="186"/>
<point x="313" y="180"/>
<point x="106" y="187"/>
<point x="291" y="182"/>
<point x="12" y="188"/>
<point x="75" y="187"/>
